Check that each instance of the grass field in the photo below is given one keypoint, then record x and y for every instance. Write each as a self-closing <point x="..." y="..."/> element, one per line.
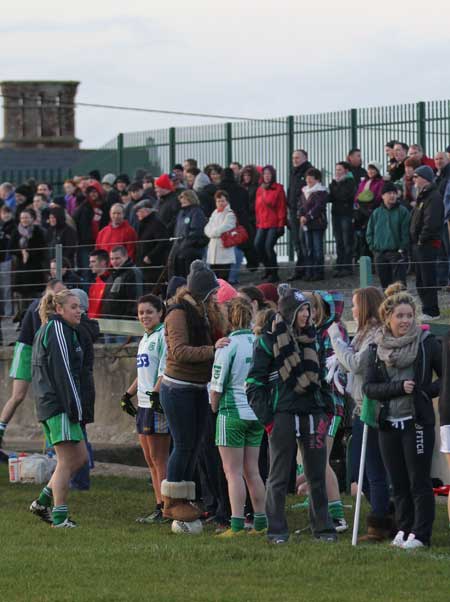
<point x="111" y="558"/>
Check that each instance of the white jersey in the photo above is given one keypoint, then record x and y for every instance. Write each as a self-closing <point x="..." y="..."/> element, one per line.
<point x="150" y="362"/>
<point x="230" y="369"/>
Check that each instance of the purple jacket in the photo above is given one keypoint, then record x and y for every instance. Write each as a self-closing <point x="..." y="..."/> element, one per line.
<point x="376" y="186"/>
<point x="314" y="209"/>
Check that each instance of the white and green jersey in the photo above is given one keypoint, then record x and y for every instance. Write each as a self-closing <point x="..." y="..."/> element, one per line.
<point x="230" y="369"/>
<point x="150" y="362"/>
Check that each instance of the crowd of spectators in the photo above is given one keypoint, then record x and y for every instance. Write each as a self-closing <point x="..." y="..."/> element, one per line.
<point x="398" y="215"/>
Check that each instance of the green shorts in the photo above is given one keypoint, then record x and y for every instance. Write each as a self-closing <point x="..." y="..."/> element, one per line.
<point x="59" y="428"/>
<point x="334" y="426"/>
<point x="21" y="364"/>
<point x="235" y="432"/>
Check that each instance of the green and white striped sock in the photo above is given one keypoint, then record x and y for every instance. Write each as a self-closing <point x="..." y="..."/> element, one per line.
<point x="59" y="514"/>
<point x="45" y="497"/>
<point x="260" y="521"/>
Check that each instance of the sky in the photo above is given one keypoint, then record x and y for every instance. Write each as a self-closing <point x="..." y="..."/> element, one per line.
<point x="242" y="58"/>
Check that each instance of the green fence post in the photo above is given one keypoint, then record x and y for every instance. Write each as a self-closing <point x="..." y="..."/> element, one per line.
<point x="119" y="153"/>
<point x="365" y="271"/>
<point x="354" y="127"/>
<point x="228" y="144"/>
<point x="172" y="148"/>
<point x="290" y="150"/>
<point x="421" y="124"/>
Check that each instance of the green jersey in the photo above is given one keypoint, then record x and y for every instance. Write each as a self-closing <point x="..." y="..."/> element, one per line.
<point x="230" y="369"/>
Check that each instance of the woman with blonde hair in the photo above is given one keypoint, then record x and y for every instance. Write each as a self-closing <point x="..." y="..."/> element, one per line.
<point x="238" y="432"/>
<point x="56" y="363"/>
<point x="354" y="359"/>
<point x="400" y="377"/>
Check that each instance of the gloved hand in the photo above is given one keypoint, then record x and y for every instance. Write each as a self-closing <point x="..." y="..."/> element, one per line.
<point x="334" y="331"/>
<point x="127" y="405"/>
<point x="155" y="402"/>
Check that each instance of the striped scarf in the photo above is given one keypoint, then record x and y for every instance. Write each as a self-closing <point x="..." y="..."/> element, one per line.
<point x="296" y="356"/>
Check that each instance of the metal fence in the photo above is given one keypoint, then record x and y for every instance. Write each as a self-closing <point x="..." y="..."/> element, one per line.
<point x="326" y="136"/>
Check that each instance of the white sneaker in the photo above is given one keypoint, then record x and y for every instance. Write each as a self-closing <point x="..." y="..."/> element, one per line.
<point x="427" y="318"/>
<point x="67" y="524"/>
<point x="398" y="540"/>
<point x="412" y="543"/>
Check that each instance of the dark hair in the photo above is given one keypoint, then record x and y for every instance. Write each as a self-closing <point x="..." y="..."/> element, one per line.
<point x="272" y="171"/>
<point x="65" y="263"/>
<point x="404" y="146"/>
<point x="120" y="249"/>
<point x="354" y="150"/>
<point x="177" y="166"/>
<point x="124" y="192"/>
<point x="42" y="196"/>
<point x="135" y="187"/>
<point x="254" y="294"/>
<point x="192" y="162"/>
<point x="49" y="186"/>
<point x="52" y="282"/>
<point x="220" y="193"/>
<point x="155" y="301"/>
<point x="391" y="143"/>
<point x="212" y="167"/>
<point x="101" y="254"/>
<point x="345" y="164"/>
<point x="314" y="173"/>
<point x="301" y="150"/>
<point x="194" y="171"/>
<point x="30" y="211"/>
<point x="236" y="163"/>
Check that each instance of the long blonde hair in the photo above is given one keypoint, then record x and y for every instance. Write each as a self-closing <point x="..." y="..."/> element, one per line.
<point x="239" y="313"/>
<point x="47" y="306"/>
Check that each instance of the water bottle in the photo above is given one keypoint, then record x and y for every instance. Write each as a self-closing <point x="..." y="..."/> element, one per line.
<point x="13" y="466"/>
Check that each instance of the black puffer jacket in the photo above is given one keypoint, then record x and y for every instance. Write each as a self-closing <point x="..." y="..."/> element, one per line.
<point x="168" y="207"/>
<point x="428" y="216"/>
<point x="121" y="292"/>
<point x="342" y="195"/>
<point x="83" y="217"/>
<point x="380" y="387"/>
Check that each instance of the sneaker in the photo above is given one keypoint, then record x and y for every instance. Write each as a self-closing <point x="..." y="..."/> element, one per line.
<point x="427" y="318"/>
<point x="66" y="524"/>
<point x="340" y="524"/>
<point x="43" y="512"/>
<point x="412" y="543"/>
<point x="255" y="532"/>
<point x="155" y="517"/>
<point x="248" y="523"/>
<point x="277" y="541"/>
<point x="398" y="540"/>
<point x="326" y="537"/>
<point x="230" y="533"/>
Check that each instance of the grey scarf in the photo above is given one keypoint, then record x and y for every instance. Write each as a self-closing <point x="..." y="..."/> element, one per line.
<point x="398" y="352"/>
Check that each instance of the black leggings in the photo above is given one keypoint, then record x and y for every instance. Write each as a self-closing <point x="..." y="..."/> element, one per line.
<point x="407" y="455"/>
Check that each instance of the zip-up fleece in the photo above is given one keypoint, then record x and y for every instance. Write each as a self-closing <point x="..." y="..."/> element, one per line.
<point x="379" y="386"/>
<point x="267" y="394"/>
<point x="56" y="367"/>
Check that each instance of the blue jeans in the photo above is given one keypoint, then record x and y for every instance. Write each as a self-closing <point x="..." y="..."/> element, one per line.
<point x="375" y="485"/>
<point x="233" y="276"/>
<point x="186" y="410"/>
<point x="312" y="246"/>
<point x="343" y="235"/>
<point x="265" y="241"/>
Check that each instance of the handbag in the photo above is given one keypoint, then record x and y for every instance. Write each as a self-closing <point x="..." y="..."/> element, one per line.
<point x="234" y="237"/>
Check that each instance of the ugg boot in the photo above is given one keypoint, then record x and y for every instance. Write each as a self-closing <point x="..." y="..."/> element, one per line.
<point x="176" y="505"/>
<point x="378" y="529"/>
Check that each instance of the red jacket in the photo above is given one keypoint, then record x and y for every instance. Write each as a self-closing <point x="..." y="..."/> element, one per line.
<point x="96" y="292"/>
<point x="110" y="237"/>
<point x="270" y="207"/>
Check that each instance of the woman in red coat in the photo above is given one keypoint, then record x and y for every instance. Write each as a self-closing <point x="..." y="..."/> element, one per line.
<point x="270" y="209"/>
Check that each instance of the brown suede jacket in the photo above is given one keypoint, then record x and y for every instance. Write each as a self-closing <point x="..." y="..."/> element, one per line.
<point x="184" y="360"/>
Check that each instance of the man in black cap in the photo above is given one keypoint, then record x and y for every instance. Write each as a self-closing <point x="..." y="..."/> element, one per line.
<point x="425" y="231"/>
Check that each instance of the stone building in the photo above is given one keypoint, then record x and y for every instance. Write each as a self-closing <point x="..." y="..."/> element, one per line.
<point x="39" y="115"/>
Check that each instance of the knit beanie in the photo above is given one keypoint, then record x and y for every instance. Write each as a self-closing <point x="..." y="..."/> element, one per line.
<point x="269" y="291"/>
<point x="82" y="296"/>
<point x="226" y="292"/>
<point x="201" y="281"/>
<point x="376" y="165"/>
<point x="289" y="303"/>
<point x="173" y="285"/>
<point x="164" y="182"/>
<point x="425" y="172"/>
<point x="389" y="187"/>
